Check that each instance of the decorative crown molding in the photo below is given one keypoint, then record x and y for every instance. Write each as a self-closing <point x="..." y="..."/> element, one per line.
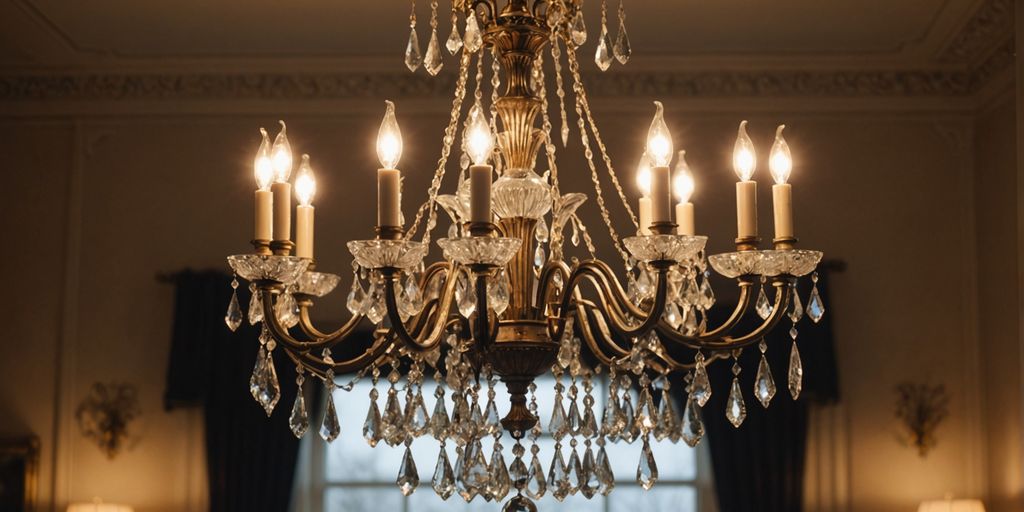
<point x="990" y="25"/>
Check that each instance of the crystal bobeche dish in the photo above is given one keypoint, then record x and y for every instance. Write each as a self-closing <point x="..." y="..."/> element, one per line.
<point x="480" y="250"/>
<point x="387" y="253"/>
<point x="318" y="284"/>
<point x="268" y="267"/>
<point x="664" y="247"/>
<point x="794" y="262"/>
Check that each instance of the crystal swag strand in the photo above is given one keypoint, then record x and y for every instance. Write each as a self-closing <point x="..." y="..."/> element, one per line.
<point x="556" y="59"/>
<point x="413" y="58"/>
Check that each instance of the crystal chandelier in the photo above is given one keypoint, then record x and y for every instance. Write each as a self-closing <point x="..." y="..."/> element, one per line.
<point x="505" y="303"/>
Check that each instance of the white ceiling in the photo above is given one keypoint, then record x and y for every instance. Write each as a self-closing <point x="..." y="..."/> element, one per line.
<point x="276" y="34"/>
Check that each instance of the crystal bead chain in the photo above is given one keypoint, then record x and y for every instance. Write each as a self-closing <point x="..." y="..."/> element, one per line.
<point x="556" y="56"/>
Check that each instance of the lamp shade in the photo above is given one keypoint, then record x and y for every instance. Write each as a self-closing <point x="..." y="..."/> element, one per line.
<point x="98" y="506"/>
<point x="952" y="506"/>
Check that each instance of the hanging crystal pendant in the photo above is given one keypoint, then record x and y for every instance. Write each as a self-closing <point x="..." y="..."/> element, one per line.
<point x="498" y="292"/>
<point x="330" y="428"/>
<point x="356" y="302"/>
<point x="700" y="388"/>
<point x="796" y="372"/>
<point x="603" y="55"/>
<point x="432" y="61"/>
<point x="629" y="431"/>
<point x="413" y="59"/>
<point x="536" y="485"/>
<point x="233" y="317"/>
<point x="412" y="295"/>
<point x="557" y="479"/>
<point x="393" y="420"/>
<point x="408" y="478"/>
<point x="454" y="42"/>
<point x="492" y="423"/>
<point x="255" y="306"/>
<point x="763" y="307"/>
<point x="500" y="482"/>
<point x="605" y="476"/>
<point x="539" y="257"/>
<point x="574" y="471"/>
<point x="439" y="420"/>
<point x="473" y="40"/>
<point x="542" y="232"/>
<point x="735" y="408"/>
<point x="815" y="306"/>
<point x="286" y="310"/>
<point x="796" y="309"/>
<point x="299" y="420"/>
<point x="588" y="476"/>
<point x="706" y="294"/>
<point x="372" y="425"/>
<point x="622" y="48"/>
<point x="692" y="426"/>
<point x="558" y="427"/>
<point x="647" y="469"/>
<point x="578" y="29"/>
<point x="269" y="391"/>
<point x="764" y="383"/>
<point x="416" y="418"/>
<point x="465" y="294"/>
<point x="444" y="478"/>
<point x="518" y="472"/>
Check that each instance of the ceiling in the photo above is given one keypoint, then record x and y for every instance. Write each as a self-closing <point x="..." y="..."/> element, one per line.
<point x="61" y="36"/>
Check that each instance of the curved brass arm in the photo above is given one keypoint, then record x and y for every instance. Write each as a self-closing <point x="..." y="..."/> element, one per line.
<point x="440" y="319"/>
<point x="368" y="357"/>
<point x="603" y="276"/>
<point x="745" y="284"/>
<point x="321" y="339"/>
<point x="278" y="331"/>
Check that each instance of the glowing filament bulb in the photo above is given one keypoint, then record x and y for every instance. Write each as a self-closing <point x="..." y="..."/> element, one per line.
<point x="389" y="139"/>
<point x="305" y="182"/>
<point x="683" y="183"/>
<point x="281" y="155"/>
<point x="479" y="142"/>
<point x="744" y="158"/>
<point x="659" y="140"/>
<point x="643" y="175"/>
<point x="780" y="161"/>
<point x="263" y="165"/>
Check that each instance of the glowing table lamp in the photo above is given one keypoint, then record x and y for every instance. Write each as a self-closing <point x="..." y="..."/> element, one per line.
<point x="951" y="505"/>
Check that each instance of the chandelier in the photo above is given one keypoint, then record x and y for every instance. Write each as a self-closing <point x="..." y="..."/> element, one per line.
<point x="505" y="304"/>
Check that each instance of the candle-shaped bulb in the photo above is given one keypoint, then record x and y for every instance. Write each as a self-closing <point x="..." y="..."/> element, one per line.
<point x="744" y="158"/>
<point x="389" y="139"/>
<point x="643" y="175"/>
<point x="659" y="140"/>
<point x="478" y="138"/>
<point x="780" y="162"/>
<point x="305" y="182"/>
<point x="683" y="183"/>
<point x="263" y="166"/>
<point x="281" y="155"/>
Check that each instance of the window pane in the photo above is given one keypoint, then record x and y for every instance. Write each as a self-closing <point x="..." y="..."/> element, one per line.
<point x="362" y="499"/>
<point x="676" y="498"/>
<point x="349" y="458"/>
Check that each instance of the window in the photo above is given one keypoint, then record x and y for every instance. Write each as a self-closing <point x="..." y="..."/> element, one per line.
<point x="350" y="476"/>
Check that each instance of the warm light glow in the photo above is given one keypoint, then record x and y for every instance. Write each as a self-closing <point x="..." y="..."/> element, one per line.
<point x="281" y="155"/>
<point x="659" y="140"/>
<point x="744" y="157"/>
<point x="389" y="139"/>
<point x="479" y="142"/>
<point x="98" y="505"/>
<point x="780" y="160"/>
<point x="643" y="175"/>
<point x="951" y="505"/>
<point x="305" y="182"/>
<point x="263" y="166"/>
<point x="683" y="183"/>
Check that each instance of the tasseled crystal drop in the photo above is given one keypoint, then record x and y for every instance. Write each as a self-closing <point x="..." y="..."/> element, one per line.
<point x="796" y="372"/>
<point x="692" y="426"/>
<point x="589" y="483"/>
<point x="700" y="388"/>
<point x="255" y="307"/>
<point x="605" y="476"/>
<point x="473" y="40"/>
<point x="372" y="425"/>
<point x="432" y="60"/>
<point x="603" y="56"/>
<point x="763" y="307"/>
<point x="408" y="478"/>
<point x="454" y="41"/>
<point x="233" y="317"/>
<point x="764" y="383"/>
<point x="356" y="302"/>
<point x="815" y="306"/>
<point x="444" y="478"/>
<point x="735" y="408"/>
<point x="578" y="29"/>
<point x="622" y="48"/>
<point x="413" y="58"/>
<point x="330" y="428"/>
<point x="536" y="485"/>
<point x="299" y="419"/>
<point x="557" y="479"/>
<point x="647" y="469"/>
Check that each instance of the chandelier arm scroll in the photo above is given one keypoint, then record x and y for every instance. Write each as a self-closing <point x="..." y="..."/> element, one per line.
<point x="590" y="310"/>
<point x="745" y="284"/>
<point x="281" y="334"/>
<point x="321" y="338"/>
<point x="398" y="327"/>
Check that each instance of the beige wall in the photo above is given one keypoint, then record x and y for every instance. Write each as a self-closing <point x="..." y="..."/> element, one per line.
<point x="102" y="204"/>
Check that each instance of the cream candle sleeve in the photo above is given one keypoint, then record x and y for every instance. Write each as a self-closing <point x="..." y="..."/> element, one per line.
<point x="782" y="201"/>
<point x="645" y="215"/>
<point x="388" y="200"/>
<point x="282" y="192"/>
<point x="480" y="193"/>
<point x="304" y="231"/>
<point x="746" y="209"/>
<point x="661" y="195"/>
<point x="685" y="220"/>
<point x="264" y="215"/>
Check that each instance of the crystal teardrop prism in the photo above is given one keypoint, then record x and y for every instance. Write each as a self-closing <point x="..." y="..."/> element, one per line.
<point x="605" y="476"/>
<point x="519" y="473"/>
<point x="629" y="431"/>
<point x="413" y="58"/>
<point x="498" y="294"/>
<point x="603" y="55"/>
<point x="299" y="419"/>
<point x="622" y="48"/>
<point x="557" y="479"/>
<point x="416" y="417"/>
<point x="647" y="469"/>
<point x="536" y="485"/>
<point x="796" y="309"/>
<point x="795" y="378"/>
<point x="356" y="301"/>
<point x="233" y="317"/>
<point x="466" y="296"/>
<point x="589" y="483"/>
<point x="492" y="423"/>
<point x="454" y="42"/>
<point x="330" y="428"/>
<point x="538" y="256"/>
<point x="735" y="408"/>
<point x="542" y="232"/>
<point x="574" y="472"/>
<point x="432" y="60"/>
<point x="575" y="421"/>
<point x="269" y="389"/>
<point x="815" y="306"/>
<point x="700" y="388"/>
<point x="286" y="310"/>
<point x="578" y="29"/>
<point x="413" y="297"/>
<point x="764" y="383"/>
<point x="392" y="420"/>
<point x="444" y="478"/>
<point x="255" y="307"/>
<point x="439" y="420"/>
<point x="473" y="40"/>
<point x="763" y="307"/>
<point x="499" y="483"/>
<point x="408" y="478"/>
<point x="558" y="427"/>
<point x="692" y="426"/>
<point x="372" y="430"/>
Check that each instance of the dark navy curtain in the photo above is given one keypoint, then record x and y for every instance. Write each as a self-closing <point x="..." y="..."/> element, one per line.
<point x="250" y="458"/>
